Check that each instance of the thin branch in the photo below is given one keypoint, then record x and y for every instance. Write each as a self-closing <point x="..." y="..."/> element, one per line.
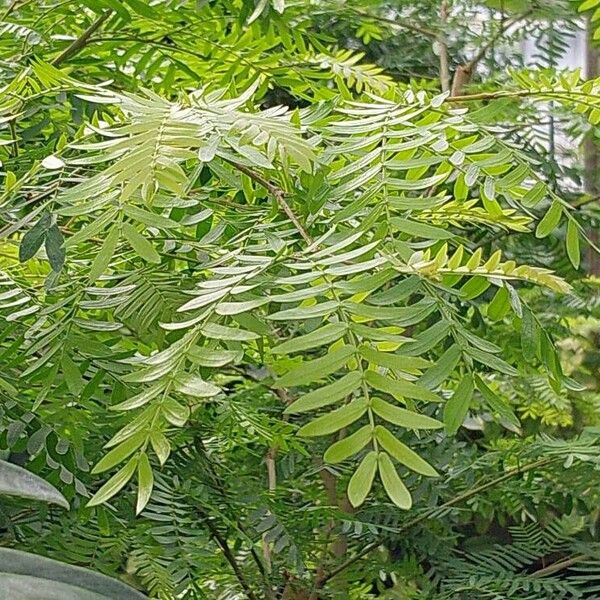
<point x="277" y="193"/>
<point x="82" y="41"/>
<point x="493" y="95"/>
<point x="456" y="500"/>
<point x="402" y="24"/>
<point x="464" y="72"/>
<point x="222" y="542"/>
<point x="559" y="566"/>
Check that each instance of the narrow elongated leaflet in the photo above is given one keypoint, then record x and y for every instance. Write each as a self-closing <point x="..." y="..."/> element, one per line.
<point x="456" y="408"/>
<point x="550" y="221"/>
<point x="442" y="368"/>
<point x="313" y="370"/>
<point x="492" y="361"/>
<point x="496" y="404"/>
<point x="393" y="485"/>
<point x="529" y="337"/>
<point x="213" y="357"/>
<point x="140" y="244"/>
<point x="34" y="238"/>
<point x="362" y="480"/>
<point x="335" y="420"/>
<point x="55" y="250"/>
<point x="302" y="313"/>
<point x="320" y="337"/>
<point x="194" y="385"/>
<point x="403" y="417"/>
<point x="423" y="230"/>
<point x="145" y="483"/>
<point x="499" y="305"/>
<point x="400" y="388"/>
<point x="573" y="251"/>
<point x="215" y="331"/>
<point x="390" y="360"/>
<point x="402" y="453"/>
<point x="326" y="395"/>
<point x="115" y="484"/>
<point x="104" y="255"/>
<point x="350" y="445"/>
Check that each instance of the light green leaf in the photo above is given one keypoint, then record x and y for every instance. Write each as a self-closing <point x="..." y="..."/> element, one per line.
<point x="305" y="312"/>
<point x="194" y="385"/>
<point x="235" y="308"/>
<point x="326" y="395"/>
<point x="550" y="221"/>
<point x="213" y="357"/>
<point x="335" y="420"/>
<point x="403" y="453"/>
<point x="105" y="254"/>
<point x="573" y="251"/>
<point x="403" y="417"/>
<point x="390" y="360"/>
<point x="115" y="484"/>
<point x="221" y="332"/>
<point x="350" y="445"/>
<point x="499" y="305"/>
<point x="140" y="244"/>
<point x="313" y="370"/>
<point x="400" y="389"/>
<point x="161" y="446"/>
<point x="393" y="485"/>
<point x="120" y="453"/>
<point x="421" y="230"/>
<point x="442" y="368"/>
<point x="457" y="407"/>
<point x="145" y="483"/>
<point x="362" y="480"/>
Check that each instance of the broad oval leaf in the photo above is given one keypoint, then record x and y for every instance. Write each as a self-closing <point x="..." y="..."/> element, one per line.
<point x="47" y="571"/>
<point x="17" y="481"/>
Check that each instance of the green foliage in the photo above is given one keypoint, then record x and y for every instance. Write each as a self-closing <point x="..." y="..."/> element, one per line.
<point x="298" y="305"/>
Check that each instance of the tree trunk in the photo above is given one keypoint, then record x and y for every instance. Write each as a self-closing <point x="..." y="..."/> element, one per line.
<point x="592" y="154"/>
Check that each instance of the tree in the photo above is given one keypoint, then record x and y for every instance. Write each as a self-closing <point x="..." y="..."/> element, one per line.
<point x="279" y="323"/>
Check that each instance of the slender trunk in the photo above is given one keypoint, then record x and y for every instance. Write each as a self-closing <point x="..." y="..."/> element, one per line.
<point x="592" y="154"/>
<point x="443" y="48"/>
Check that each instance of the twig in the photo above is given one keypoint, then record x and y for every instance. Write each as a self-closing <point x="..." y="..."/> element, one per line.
<point x="82" y="41"/>
<point x="456" y="500"/>
<point x="403" y="24"/>
<point x="222" y="542"/>
<point x="464" y="72"/>
<point x="558" y="566"/>
<point x="277" y="193"/>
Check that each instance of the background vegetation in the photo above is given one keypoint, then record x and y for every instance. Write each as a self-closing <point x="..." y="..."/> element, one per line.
<point x="299" y="300"/>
